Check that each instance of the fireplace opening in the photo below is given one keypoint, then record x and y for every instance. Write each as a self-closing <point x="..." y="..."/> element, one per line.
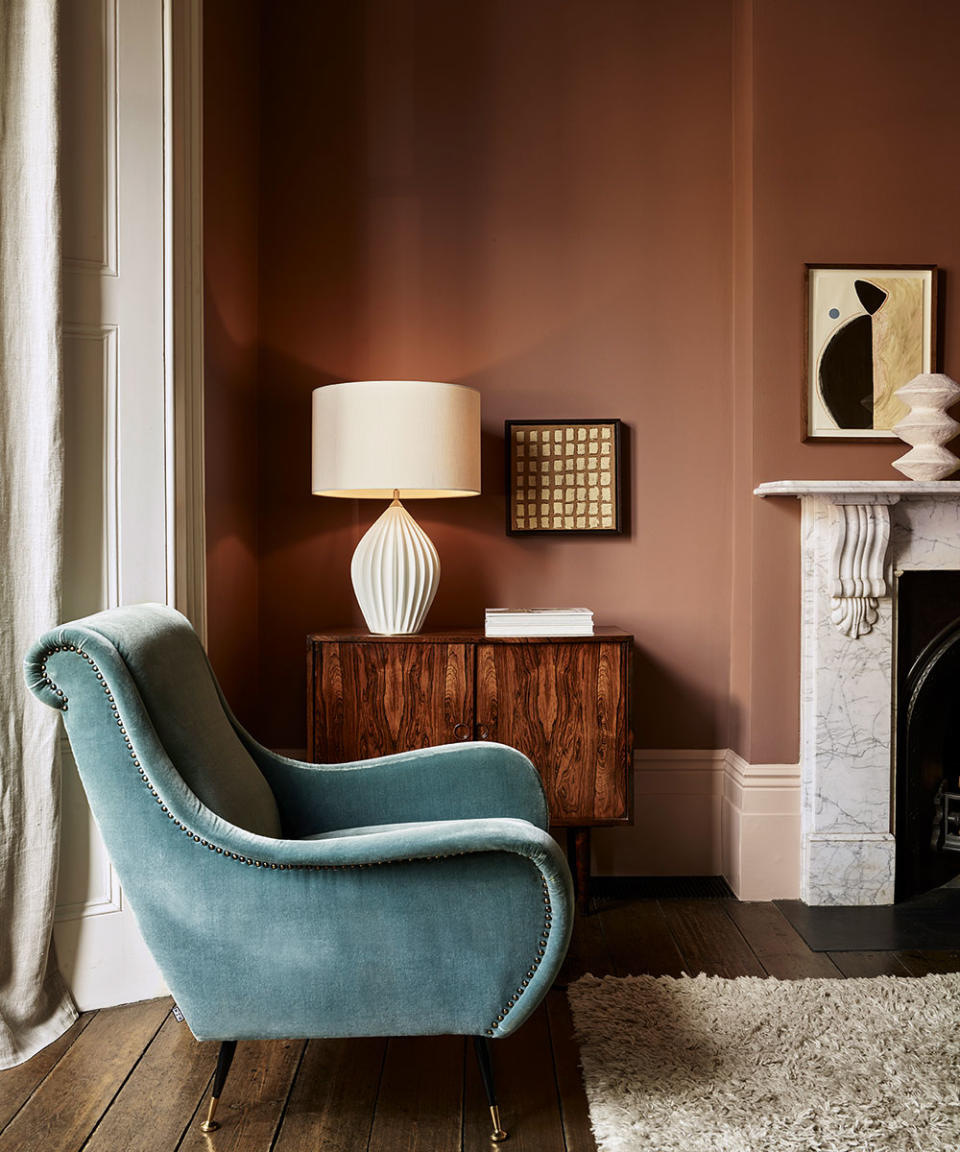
<point x="927" y="770"/>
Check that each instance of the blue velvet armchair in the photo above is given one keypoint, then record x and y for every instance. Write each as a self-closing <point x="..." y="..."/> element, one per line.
<point x="413" y="894"/>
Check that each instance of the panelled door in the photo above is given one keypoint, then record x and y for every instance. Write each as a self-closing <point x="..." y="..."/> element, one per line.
<point x="115" y="531"/>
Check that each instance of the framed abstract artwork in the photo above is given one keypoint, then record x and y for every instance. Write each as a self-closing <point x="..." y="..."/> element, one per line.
<point x="870" y="329"/>
<point x="563" y="476"/>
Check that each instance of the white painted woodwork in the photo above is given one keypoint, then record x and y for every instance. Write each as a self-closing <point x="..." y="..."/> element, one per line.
<point x="186" y="522"/>
<point x="124" y="467"/>
<point x="707" y="812"/>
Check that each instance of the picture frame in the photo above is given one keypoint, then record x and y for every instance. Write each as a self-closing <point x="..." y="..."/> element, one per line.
<point x="870" y="329"/>
<point x="563" y="477"/>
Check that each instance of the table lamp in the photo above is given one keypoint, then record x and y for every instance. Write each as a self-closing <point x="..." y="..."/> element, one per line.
<point x="383" y="439"/>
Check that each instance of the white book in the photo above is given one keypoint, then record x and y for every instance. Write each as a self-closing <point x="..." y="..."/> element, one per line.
<point x="539" y="611"/>
<point x="539" y="615"/>
<point x="540" y="630"/>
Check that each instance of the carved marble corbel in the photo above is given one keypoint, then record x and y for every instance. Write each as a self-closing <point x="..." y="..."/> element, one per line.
<point x="861" y="536"/>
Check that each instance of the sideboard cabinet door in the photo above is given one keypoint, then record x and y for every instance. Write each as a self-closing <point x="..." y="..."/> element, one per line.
<point x="566" y="706"/>
<point x="373" y="699"/>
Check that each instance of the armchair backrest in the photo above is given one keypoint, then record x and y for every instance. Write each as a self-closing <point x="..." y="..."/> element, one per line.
<point x="170" y="671"/>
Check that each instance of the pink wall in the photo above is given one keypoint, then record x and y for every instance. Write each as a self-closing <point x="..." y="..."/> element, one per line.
<point x="231" y="224"/>
<point x="855" y="108"/>
<point x="582" y="210"/>
<point x="533" y="199"/>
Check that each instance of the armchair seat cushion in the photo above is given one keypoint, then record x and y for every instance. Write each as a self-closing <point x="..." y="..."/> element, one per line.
<point x="418" y="832"/>
<point x="369" y="830"/>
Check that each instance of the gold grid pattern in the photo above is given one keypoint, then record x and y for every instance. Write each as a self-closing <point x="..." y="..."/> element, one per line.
<point x="563" y="477"/>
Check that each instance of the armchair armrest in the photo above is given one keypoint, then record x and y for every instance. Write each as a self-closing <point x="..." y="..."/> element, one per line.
<point x="369" y="932"/>
<point x="468" y="781"/>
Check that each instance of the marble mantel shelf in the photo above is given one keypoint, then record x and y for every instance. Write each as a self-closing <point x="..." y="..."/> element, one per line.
<point x="864" y="489"/>
<point x="861" y="536"/>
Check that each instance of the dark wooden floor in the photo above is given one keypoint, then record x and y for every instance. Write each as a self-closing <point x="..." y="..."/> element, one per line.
<point x="131" y="1079"/>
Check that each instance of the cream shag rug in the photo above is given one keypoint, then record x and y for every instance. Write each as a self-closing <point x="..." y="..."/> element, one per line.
<point x="705" y="1064"/>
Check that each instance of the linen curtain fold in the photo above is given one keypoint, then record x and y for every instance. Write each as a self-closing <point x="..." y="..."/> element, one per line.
<point x="35" y="1007"/>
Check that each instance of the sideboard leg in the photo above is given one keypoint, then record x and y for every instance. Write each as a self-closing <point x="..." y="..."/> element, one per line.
<point x="578" y="853"/>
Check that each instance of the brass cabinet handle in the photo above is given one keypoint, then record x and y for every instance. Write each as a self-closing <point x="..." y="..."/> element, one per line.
<point x="461" y="731"/>
<point x="483" y="732"/>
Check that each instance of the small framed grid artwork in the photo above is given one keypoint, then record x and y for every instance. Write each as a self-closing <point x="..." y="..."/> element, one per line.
<point x="563" y="476"/>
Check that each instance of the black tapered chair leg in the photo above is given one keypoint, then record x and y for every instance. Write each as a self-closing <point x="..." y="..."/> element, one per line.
<point x="482" y="1048"/>
<point x="224" y="1060"/>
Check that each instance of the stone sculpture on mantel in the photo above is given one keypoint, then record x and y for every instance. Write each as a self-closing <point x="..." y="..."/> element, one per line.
<point x="928" y="427"/>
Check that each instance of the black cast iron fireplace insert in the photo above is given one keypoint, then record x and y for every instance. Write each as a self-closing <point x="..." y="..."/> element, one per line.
<point x="927" y="770"/>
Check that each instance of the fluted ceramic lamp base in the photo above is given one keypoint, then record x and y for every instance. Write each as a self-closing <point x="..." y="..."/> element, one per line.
<point x="395" y="572"/>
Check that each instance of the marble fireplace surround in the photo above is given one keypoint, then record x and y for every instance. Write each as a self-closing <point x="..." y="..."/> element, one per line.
<point x="857" y="537"/>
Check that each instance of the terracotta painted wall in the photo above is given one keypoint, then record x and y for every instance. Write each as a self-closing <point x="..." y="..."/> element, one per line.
<point x="533" y="199"/>
<point x="855" y="110"/>
<point x="581" y="209"/>
<point x="231" y="229"/>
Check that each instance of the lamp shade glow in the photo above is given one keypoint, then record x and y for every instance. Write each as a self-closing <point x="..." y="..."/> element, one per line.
<point x="396" y="439"/>
<point x="374" y="437"/>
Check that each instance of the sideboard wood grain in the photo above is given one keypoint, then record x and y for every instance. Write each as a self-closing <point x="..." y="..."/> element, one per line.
<point x="563" y="701"/>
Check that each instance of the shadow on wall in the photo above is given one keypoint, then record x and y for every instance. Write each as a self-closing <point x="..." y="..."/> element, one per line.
<point x="231" y="482"/>
<point x="654" y="680"/>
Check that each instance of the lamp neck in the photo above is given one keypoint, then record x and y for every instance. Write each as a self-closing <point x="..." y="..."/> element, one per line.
<point x="396" y="497"/>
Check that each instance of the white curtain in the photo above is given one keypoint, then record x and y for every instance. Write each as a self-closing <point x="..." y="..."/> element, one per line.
<point x="35" y="1007"/>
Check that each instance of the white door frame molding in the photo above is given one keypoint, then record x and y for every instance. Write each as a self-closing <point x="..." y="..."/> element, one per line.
<point x="183" y="296"/>
<point x="133" y="375"/>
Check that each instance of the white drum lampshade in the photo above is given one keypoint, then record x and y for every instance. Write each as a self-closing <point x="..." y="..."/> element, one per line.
<point x="396" y="439"/>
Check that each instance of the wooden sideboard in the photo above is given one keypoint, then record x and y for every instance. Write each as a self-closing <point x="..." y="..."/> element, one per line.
<point x="563" y="701"/>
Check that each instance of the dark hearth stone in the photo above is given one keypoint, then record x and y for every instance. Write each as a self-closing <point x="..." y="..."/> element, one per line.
<point x="930" y="921"/>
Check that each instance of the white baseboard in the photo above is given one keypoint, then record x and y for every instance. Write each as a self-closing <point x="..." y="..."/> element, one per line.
<point x="676" y="828"/>
<point x="760" y="829"/>
<point x="708" y="813"/>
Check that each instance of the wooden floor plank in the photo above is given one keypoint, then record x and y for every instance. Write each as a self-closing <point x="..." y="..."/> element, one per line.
<point x="333" y="1100"/>
<point x="922" y="963"/>
<point x="526" y="1093"/>
<point x="161" y="1095"/>
<point x="419" y="1106"/>
<point x="867" y="964"/>
<point x="639" y="940"/>
<point x="588" y="951"/>
<point x="126" y="1078"/>
<point x="708" y="939"/>
<point x="778" y="946"/>
<point x="66" y="1107"/>
<point x="18" y="1084"/>
<point x="574" y="1113"/>
<point x="253" y="1100"/>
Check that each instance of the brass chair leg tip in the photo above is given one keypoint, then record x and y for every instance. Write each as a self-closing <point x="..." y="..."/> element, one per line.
<point x="499" y="1136"/>
<point x="211" y="1125"/>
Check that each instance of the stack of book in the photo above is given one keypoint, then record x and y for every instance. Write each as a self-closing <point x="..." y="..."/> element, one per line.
<point x="539" y="622"/>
